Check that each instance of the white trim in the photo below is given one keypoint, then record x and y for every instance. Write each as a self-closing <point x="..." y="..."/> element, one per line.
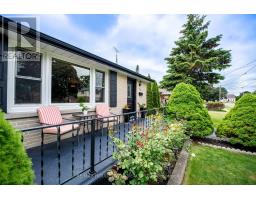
<point x="46" y="76"/>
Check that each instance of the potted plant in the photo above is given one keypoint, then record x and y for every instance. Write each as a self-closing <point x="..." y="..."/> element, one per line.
<point x="142" y="110"/>
<point x="84" y="108"/>
<point x="126" y="109"/>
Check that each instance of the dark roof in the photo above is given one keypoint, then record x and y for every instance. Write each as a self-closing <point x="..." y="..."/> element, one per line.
<point x="231" y="96"/>
<point x="68" y="47"/>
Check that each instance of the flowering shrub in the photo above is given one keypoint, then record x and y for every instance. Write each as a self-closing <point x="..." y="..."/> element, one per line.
<point x="146" y="155"/>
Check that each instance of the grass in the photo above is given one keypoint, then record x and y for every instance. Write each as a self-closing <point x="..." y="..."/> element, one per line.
<point x="217" y="117"/>
<point x="213" y="166"/>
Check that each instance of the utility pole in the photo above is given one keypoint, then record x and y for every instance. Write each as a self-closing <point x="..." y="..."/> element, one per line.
<point x="219" y="92"/>
<point x="117" y="51"/>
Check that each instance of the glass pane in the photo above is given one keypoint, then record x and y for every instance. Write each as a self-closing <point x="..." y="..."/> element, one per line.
<point x="100" y="81"/>
<point x="27" y="91"/>
<point x="129" y="91"/>
<point x="70" y="83"/>
<point x="99" y="96"/>
<point x="29" y="65"/>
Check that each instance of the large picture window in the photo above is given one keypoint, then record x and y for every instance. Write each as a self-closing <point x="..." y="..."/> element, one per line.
<point x="70" y="82"/>
<point x="100" y="87"/>
<point x="28" y="77"/>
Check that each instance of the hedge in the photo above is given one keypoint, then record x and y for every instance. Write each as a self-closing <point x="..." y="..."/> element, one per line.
<point x="240" y="123"/>
<point x="186" y="103"/>
<point x="15" y="165"/>
<point x="217" y="106"/>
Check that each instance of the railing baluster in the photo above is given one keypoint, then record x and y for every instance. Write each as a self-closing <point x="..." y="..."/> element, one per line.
<point x="114" y="132"/>
<point x="58" y="149"/>
<point x="119" y="129"/>
<point x="84" y="145"/>
<point x="42" y="157"/>
<point x="92" y="161"/>
<point x="73" y="150"/>
<point x="102" y="133"/>
<point x="124" y="129"/>
<point x="107" y="136"/>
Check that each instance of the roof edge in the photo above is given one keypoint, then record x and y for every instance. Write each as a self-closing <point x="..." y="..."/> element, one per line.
<point x="71" y="48"/>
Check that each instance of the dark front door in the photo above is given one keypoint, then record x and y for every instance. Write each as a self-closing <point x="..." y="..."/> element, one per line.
<point x="131" y="94"/>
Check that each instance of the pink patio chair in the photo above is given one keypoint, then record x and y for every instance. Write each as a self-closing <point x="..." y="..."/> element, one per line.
<point x="50" y="115"/>
<point x="102" y="111"/>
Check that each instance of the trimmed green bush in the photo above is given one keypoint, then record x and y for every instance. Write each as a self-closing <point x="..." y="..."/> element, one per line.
<point x="216" y="106"/>
<point x="149" y="96"/>
<point x="15" y="165"/>
<point x="155" y="95"/>
<point x="240" y="123"/>
<point x="186" y="103"/>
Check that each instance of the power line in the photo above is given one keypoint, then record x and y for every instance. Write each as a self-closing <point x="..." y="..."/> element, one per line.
<point x="241" y="74"/>
<point x="248" y="70"/>
<point x="236" y="69"/>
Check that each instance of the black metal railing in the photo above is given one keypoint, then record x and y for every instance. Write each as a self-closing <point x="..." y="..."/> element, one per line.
<point x="68" y="158"/>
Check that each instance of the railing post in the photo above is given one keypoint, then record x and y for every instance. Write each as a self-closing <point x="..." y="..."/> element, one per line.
<point x="92" y="162"/>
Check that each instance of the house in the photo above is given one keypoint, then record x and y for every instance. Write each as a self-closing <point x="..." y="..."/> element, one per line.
<point x="60" y="74"/>
<point x="231" y="98"/>
<point x="164" y="96"/>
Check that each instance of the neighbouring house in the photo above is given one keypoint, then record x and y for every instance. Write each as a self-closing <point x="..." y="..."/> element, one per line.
<point x="60" y="74"/>
<point x="231" y="98"/>
<point x="164" y="96"/>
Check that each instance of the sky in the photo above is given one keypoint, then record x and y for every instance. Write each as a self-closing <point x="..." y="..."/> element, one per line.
<point x="145" y="40"/>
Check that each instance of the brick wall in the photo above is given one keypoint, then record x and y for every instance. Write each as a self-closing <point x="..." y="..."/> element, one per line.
<point x="141" y="87"/>
<point x="33" y="138"/>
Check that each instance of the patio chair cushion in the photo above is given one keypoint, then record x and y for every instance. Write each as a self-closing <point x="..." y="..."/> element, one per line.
<point x="63" y="129"/>
<point x="103" y="110"/>
<point x="49" y="115"/>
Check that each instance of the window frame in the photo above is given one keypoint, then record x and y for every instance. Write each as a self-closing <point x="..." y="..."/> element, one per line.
<point x="77" y="65"/>
<point x="46" y="68"/>
<point x="27" y="77"/>
<point x="100" y="87"/>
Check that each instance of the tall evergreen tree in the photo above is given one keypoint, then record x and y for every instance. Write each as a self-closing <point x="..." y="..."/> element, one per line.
<point x="155" y="95"/>
<point x="196" y="57"/>
<point x="149" y="97"/>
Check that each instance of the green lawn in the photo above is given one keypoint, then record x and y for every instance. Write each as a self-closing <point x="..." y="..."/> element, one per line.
<point x="217" y="166"/>
<point x="217" y="117"/>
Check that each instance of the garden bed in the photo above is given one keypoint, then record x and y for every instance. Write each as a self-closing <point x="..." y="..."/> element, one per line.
<point x="148" y="156"/>
<point x="173" y="167"/>
<point x="224" y="143"/>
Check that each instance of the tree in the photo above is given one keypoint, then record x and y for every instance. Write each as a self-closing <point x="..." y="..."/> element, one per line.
<point x="211" y="93"/>
<point x="15" y="165"/>
<point x="186" y="104"/>
<point x="240" y="123"/>
<point x="196" y="58"/>
<point x="149" y="97"/>
<point x="241" y="94"/>
<point x="155" y="95"/>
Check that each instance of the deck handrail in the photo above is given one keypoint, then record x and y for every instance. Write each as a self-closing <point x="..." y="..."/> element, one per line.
<point x="91" y="122"/>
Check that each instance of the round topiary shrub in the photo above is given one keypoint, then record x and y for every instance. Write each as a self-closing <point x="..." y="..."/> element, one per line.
<point x="186" y="103"/>
<point x="15" y="165"/>
<point x="240" y="123"/>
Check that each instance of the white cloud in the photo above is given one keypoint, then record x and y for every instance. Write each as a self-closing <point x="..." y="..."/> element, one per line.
<point x="147" y="39"/>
